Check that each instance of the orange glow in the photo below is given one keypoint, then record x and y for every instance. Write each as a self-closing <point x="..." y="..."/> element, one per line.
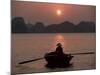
<point x="59" y="12"/>
<point x="59" y="39"/>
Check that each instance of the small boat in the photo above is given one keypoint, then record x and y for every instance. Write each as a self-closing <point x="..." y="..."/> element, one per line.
<point x="54" y="60"/>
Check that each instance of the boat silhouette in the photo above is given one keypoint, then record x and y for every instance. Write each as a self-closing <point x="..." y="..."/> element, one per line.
<point x="54" y="60"/>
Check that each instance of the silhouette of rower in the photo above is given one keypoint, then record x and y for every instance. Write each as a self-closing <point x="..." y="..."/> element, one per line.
<point x="59" y="49"/>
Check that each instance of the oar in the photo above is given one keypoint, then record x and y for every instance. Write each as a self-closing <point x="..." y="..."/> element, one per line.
<point x="51" y="55"/>
<point x="82" y="53"/>
<point x="30" y="60"/>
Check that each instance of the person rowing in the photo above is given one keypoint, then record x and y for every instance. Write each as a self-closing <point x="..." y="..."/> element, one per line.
<point x="59" y="49"/>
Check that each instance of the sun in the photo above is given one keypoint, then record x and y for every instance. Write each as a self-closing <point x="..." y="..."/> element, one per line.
<point x="59" y="12"/>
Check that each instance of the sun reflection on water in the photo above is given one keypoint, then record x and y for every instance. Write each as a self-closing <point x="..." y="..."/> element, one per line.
<point x="59" y="39"/>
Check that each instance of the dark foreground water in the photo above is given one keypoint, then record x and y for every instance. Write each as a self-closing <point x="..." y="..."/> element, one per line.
<point x="31" y="46"/>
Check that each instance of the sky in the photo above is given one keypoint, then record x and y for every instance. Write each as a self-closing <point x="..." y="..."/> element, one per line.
<point x="47" y="13"/>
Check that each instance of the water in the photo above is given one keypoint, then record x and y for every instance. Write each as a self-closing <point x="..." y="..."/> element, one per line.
<point x="31" y="46"/>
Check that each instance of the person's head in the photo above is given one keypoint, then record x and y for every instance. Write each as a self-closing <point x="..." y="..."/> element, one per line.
<point x="59" y="44"/>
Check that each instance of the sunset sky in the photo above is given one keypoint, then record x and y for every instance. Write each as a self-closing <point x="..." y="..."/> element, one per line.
<point x="51" y="13"/>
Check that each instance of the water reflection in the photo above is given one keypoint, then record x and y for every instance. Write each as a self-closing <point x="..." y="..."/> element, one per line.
<point x="59" y="39"/>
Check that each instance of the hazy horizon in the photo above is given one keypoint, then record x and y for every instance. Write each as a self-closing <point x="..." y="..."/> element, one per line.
<point x="34" y="12"/>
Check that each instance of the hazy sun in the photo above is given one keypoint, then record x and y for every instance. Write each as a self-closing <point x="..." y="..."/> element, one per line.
<point x="59" y="12"/>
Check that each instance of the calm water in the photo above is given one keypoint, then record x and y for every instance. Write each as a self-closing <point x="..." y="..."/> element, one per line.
<point x="31" y="46"/>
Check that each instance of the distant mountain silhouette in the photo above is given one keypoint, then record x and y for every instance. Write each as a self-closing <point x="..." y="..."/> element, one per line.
<point x="85" y="27"/>
<point x="38" y="27"/>
<point x="60" y="28"/>
<point x="18" y="26"/>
